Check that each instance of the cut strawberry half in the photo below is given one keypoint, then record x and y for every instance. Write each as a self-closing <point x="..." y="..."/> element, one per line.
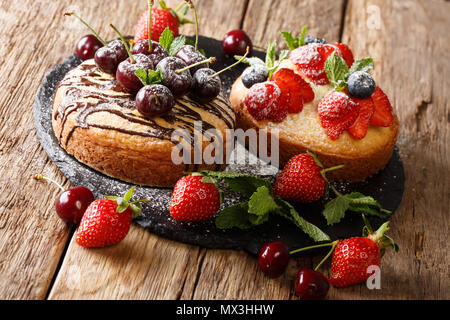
<point x="310" y="60"/>
<point x="358" y="129"/>
<point x="300" y="91"/>
<point x="337" y="112"/>
<point x="347" y="54"/>
<point x="382" y="116"/>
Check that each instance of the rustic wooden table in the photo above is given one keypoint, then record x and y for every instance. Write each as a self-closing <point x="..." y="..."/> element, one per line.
<point x="410" y="43"/>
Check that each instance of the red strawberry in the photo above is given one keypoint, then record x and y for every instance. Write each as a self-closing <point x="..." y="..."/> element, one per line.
<point x="194" y="200"/>
<point x="383" y="110"/>
<point x="337" y="112"/>
<point x="359" y="128"/>
<point x="346" y="53"/>
<point x="310" y="60"/>
<point x="353" y="256"/>
<point x="161" y="19"/>
<point x="105" y="222"/>
<point x="301" y="180"/>
<point x="264" y="102"/>
<point x="299" y="90"/>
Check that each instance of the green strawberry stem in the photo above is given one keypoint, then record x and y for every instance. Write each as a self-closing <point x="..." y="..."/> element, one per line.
<point x="333" y="168"/>
<point x="123" y="203"/>
<point x="233" y="65"/>
<point x="88" y="26"/>
<point x="150" y="5"/>
<point x="124" y="43"/>
<point x="44" y="178"/>
<point x="209" y="60"/>
<point x="191" y="5"/>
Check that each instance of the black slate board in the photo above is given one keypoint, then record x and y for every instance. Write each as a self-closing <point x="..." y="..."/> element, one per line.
<point x="386" y="187"/>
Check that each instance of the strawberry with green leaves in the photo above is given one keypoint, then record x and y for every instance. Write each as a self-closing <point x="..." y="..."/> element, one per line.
<point x="107" y="221"/>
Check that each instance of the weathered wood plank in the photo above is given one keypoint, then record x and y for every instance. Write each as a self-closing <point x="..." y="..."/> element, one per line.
<point x="265" y="19"/>
<point x="410" y="44"/>
<point x="143" y="266"/>
<point x="235" y="275"/>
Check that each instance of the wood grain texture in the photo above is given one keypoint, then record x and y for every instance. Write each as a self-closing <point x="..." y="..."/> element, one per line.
<point x="410" y="48"/>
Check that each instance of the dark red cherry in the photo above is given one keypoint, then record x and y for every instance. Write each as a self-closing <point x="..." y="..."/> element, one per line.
<point x="154" y="100"/>
<point x="311" y="285"/>
<point x="236" y="42"/>
<point x="178" y="82"/>
<point x="190" y="56"/>
<point x="87" y="47"/>
<point x="108" y="58"/>
<point x="126" y="71"/>
<point x="72" y="203"/>
<point x="158" y="52"/>
<point x="205" y="88"/>
<point x="273" y="258"/>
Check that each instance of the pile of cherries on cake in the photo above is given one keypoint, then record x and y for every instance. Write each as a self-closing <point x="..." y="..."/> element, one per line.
<point x="187" y="72"/>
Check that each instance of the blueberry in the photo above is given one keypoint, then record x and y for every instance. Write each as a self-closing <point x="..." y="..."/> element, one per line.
<point x="309" y="39"/>
<point x="255" y="74"/>
<point x="361" y="85"/>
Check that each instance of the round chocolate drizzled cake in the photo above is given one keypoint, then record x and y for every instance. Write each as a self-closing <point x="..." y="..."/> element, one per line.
<point x="96" y="120"/>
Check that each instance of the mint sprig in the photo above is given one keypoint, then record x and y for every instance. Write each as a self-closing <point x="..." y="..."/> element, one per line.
<point x="150" y="77"/>
<point x="258" y="207"/>
<point x="338" y="72"/>
<point x="170" y="43"/>
<point x="295" y="42"/>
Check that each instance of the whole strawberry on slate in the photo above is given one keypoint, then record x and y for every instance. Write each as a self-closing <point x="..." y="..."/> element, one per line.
<point x="194" y="199"/>
<point x="107" y="221"/>
<point x="161" y="19"/>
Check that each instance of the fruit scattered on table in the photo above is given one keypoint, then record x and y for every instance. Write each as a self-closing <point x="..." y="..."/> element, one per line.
<point x="311" y="285"/>
<point x="273" y="258"/>
<point x="107" y="221"/>
<point x="71" y="204"/>
<point x="236" y="42"/>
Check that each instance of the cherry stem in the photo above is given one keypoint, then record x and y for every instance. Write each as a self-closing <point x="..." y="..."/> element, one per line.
<point x="333" y="246"/>
<point x="312" y="247"/>
<point x="191" y="5"/>
<point x="233" y="65"/>
<point x="124" y="43"/>
<point x="43" y="178"/>
<point x="150" y="5"/>
<point x="178" y="8"/>
<point x="209" y="60"/>
<point x="88" y="26"/>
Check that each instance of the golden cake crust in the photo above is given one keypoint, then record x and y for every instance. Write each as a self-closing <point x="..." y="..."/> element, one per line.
<point x="302" y="131"/>
<point x="95" y="120"/>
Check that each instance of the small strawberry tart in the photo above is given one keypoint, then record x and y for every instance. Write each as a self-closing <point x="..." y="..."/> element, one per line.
<point x="316" y="97"/>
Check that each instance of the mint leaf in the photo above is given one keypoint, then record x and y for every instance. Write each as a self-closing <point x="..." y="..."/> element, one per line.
<point x="270" y="54"/>
<point x="243" y="183"/>
<point x="288" y="211"/>
<point x="142" y="75"/>
<point x="335" y="210"/>
<point x="176" y="45"/>
<point x="360" y="203"/>
<point x="291" y="42"/>
<point x="260" y="205"/>
<point x="235" y="216"/>
<point x="365" y="64"/>
<point x="283" y="55"/>
<point x="166" y="39"/>
<point x="337" y="71"/>
<point x="301" y="37"/>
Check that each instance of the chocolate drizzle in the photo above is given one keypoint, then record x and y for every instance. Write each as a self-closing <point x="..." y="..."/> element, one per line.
<point x="89" y="91"/>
